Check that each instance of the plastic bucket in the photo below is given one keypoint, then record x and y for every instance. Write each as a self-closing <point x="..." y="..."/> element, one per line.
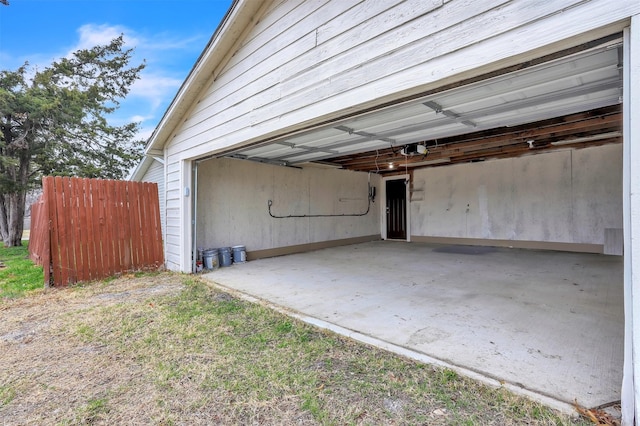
<point x="210" y="259"/>
<point x="224" y="253"/>
<point x="239" y="254"/>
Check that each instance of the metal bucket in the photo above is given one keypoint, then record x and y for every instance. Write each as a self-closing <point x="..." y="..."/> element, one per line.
<point x="224" y="254"/>
<point x="210" y="259"/>
<point x="239" y="254"/>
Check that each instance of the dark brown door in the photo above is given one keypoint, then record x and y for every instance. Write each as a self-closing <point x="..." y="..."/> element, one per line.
<point x="396" y="209"/>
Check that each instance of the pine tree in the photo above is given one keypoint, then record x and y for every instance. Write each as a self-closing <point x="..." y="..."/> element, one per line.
<point x="54" y="122"/>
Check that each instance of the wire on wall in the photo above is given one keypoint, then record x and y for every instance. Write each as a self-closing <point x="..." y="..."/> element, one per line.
<point x="371" y="193"/>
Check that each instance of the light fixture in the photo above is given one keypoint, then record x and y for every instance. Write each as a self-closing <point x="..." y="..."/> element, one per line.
<point x="414" y="149"/>
<point x="391" y="165"/>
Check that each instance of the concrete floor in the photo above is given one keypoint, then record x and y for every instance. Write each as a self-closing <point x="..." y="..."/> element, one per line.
<point x="546" y="324"/>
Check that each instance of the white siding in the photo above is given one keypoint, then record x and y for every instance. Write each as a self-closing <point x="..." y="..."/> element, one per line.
<point x="155" y="173"/>
<point x="320" y="58"/>
<point x="173" y="239"/>
<point x="305" y="62"/>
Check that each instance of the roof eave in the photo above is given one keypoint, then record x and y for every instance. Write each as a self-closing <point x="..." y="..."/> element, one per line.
<point x="141" y="168"/>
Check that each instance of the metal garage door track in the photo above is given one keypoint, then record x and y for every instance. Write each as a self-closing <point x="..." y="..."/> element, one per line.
<point x="547" y="324"/>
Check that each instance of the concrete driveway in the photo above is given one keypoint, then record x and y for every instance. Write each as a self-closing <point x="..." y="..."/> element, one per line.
<point x="546" y="324"/>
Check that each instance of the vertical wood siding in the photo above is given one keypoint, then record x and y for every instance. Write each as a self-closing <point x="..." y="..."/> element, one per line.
<point x="89" y="229"/>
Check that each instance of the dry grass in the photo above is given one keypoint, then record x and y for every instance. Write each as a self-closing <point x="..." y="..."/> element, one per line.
<point x="168" y="349"/>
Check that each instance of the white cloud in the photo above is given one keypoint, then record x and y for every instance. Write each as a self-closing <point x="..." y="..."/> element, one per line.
<point x="157" y="84"/>
<point x="92" y="35"/>
<point x="170" y="42"/>
<point x="145" y="133"/>
<point x="144" y="130"/>
<point x="164" y="54"/>
<point x="150" y="45"/>
<point x="139" y="118"/>
<point x="156" y="88"/>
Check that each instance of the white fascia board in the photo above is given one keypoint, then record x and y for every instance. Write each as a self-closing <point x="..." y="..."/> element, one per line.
<point x="141" y="168"/>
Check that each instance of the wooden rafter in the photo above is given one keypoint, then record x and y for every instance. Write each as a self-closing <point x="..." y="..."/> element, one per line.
<point x="589" y="128"/>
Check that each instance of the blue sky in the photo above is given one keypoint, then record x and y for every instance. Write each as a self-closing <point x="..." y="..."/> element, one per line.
<point x="168" y="34"/>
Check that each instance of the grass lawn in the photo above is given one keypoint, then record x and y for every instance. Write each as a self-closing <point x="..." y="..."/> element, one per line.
<point x="18" y="274"/>
<point x="170" y="349"/>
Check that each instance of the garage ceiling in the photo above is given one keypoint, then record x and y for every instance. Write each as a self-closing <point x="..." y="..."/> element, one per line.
<point x="573" y="100"/>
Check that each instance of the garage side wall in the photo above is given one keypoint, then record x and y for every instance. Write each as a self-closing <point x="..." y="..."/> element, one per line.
<point x="173" y="239"/>
<point x="233" y="209"/>
<point x="567" y="196"/>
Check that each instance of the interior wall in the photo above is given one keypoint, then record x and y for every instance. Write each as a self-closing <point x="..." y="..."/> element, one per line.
<point x="564" y="196"/>
<point x="232" y="205"/>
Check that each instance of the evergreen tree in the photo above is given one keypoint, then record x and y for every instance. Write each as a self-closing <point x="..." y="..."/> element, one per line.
<point x="54" y="122"/>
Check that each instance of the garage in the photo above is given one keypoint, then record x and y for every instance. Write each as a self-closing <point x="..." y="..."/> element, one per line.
<point x="530" y="157"/>
<point x="528" y="160"/>
<point x="477" y="135"/>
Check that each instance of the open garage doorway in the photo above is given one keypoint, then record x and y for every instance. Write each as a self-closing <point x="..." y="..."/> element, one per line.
<point x="528" y="158"/>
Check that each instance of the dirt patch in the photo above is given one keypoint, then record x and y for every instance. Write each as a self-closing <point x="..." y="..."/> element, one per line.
<point x="46" y="375"/>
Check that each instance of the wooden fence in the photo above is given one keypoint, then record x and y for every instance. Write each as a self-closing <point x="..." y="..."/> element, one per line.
<point x="90" y="229"/>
